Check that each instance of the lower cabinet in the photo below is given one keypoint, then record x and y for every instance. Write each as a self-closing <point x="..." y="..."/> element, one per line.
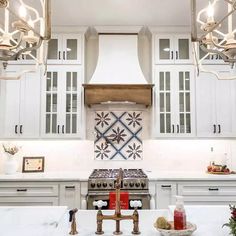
<point x="43" y="193"/>
<point x="208" y="193"/>
<point x="166" y="192"/>
<point x="69" y="195"/>
<point x="28" y="194"/>
<point x="196" y="193"/>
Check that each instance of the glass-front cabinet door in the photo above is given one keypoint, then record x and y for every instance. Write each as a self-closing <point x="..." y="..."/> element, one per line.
<point x="173" y="49"/>
<point x="165" y="108"/>
<point x="185" y="95"/>
<point x="62" y="102"/>
<point x="174" y="101"/>
<point x="65" y="49"/>
<point x="51" y="109"/>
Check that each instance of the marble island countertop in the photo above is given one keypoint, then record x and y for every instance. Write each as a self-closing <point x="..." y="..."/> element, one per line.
<point x="83" y="176"/>
<point x="53" y="221"/>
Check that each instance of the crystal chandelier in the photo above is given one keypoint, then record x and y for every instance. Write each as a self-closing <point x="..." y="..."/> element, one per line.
<point x="24" y="30"/>
<point x="214" y="37"/>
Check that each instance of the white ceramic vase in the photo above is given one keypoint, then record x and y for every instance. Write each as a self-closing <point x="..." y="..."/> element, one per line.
<point x="10" y="165"/>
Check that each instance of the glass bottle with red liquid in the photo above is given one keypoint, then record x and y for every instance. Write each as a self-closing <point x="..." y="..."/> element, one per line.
<point x="179" y="214"/>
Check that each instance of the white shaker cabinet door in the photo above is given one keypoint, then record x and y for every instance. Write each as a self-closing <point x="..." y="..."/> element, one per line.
<point x="11" y="108"/>
<point x="30" y="105"/>
<point x="225" y="106"/>
<point x="205" y="105"/>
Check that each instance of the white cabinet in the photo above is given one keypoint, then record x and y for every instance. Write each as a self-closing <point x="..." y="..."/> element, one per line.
<point x="61" y="102"/>
<point x="28" y="194"/>
<point x="83" y="194"/>
<point x="70" y="195"/>
<point x="210" y="192"/>
<point x="165" y="194"/>
<point x="65" y="49"/>
<point x="215" y="106"/>
<point x="174" y="101"/>
<point x="172" y="49"/>
<point x="21" y="105"/>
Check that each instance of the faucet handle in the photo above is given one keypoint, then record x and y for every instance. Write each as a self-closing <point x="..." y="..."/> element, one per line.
<point x="99" y="203"/>
<point x="135" y="203"/>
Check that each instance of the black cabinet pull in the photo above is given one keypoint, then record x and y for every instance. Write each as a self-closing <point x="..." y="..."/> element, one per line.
<point x="172" y="55"/>
<point x="21" y="129"/>
<point x="58" y="129"/>
<point x="166" y="186"/>
<point x="21" y="190"/>
<point x="64" y="55"/>
<point x="214" y="131"/>
<point x="59" y="55"/>
<point x="69" y="187"/>
<point x="219" y="129"/>
<point x="177" y="128"/>
<point x="176" y="55"/>
<point x="213" y="189"/>
<point x="173" y="128"/>
<point x="63" y="129"/>
<point x="16" y="129"/>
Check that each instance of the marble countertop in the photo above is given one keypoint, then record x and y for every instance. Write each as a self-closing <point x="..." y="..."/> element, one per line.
<point x="53" y="221"/>
<point x="83" y="176"/>
<point x="36" y="221"/>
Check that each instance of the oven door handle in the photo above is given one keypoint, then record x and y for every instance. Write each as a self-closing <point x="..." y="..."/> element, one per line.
<point x="107" y="194"/>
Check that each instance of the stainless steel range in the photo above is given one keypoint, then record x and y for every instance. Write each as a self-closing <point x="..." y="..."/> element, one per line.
<point x="102" y="181"/>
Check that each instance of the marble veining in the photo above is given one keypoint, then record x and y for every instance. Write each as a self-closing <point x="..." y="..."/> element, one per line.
<point x="34" y="220"/>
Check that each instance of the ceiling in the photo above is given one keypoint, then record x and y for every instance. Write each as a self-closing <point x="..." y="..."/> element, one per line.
<point x="121" y="12"/>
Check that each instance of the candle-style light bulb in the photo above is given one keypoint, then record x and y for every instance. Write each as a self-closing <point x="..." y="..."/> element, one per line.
<point x="210" y="12"/>
<point x="22" y="11"/>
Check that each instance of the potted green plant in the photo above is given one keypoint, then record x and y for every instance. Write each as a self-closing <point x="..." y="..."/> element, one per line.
<point x="232" y="220"/>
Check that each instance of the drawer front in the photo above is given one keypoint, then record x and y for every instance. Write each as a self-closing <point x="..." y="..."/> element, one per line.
<point x="28" y="189"/>
<point x="28" y="201"/>
<point x="207" y="189"/>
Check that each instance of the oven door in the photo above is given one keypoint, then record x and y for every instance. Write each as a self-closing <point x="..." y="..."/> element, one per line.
<point x="104" y="196"/>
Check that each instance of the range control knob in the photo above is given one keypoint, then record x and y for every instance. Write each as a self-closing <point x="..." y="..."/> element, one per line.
<point x="92" y="185"/>
<point x="99" y="185"/>
<point x="104" y="184"/>
<point x="137" y="184"/>
<point x="131" y="184"/>
<point x="125" y="184"/>
<point x="143" y="184"/>
<point x="111" y="185"/>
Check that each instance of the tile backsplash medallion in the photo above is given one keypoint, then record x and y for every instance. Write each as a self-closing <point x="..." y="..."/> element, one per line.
<point x="118" y="135"/>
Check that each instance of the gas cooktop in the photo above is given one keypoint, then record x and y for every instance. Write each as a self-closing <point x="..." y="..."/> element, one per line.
<point x="113" y="173"/>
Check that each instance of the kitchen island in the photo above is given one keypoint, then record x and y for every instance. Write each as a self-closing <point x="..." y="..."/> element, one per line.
<point x="50" y="221"/>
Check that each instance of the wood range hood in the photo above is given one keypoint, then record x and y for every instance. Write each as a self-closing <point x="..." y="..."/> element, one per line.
<point x="118" y="94"/>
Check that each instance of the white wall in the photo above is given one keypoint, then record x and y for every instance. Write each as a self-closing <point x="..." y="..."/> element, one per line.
<point x="176" y="155"/>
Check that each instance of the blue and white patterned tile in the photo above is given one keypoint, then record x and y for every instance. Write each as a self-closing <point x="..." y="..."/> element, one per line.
<point x="118" y="135"/>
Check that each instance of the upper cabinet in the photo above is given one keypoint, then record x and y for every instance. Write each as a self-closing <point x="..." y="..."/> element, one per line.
<point x="172" y="49"/>
<point x="174" y="101"/>
<point x="20" y="105"/>
<point x="61" y="102"/>
<point x="215" y="101"/>
<point x="65" y="49"/>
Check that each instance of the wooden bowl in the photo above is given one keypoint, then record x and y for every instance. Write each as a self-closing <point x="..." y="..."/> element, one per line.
<point x="171" y="232"/>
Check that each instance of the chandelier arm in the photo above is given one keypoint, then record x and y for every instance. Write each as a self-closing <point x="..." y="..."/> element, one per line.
<point x="30" y="48"/>
<point x="216" y="25"/>
<point x="30" y="8"/>
<point x="29" y="26"/>
<point x="215" y="30"/>
<point x="217" y="74"/>
<point x="47" y="16"/>
<point x="194" y="37"/>
<point x="225" y="58"/>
